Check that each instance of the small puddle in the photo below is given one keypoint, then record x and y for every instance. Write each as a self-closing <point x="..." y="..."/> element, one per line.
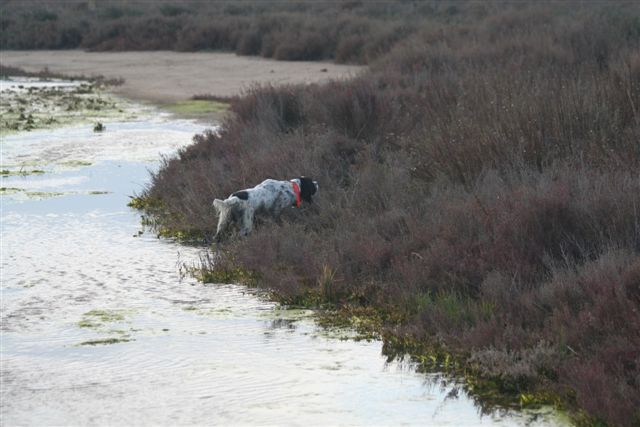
<point x="99" y="328"/>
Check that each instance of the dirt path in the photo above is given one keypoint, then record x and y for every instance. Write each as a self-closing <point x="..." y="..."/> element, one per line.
<point x="168" y="77"/>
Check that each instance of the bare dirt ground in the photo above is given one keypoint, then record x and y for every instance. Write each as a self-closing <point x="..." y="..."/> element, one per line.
<point x="167" y="77"/>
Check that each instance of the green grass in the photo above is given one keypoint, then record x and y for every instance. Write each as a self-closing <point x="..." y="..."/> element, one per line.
<point x="197" y="106"/>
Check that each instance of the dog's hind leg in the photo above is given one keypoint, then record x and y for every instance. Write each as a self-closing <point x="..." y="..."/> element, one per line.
<point x="223" y="223"/>
<point x="224" y="216"/>
<point x="247" y="221"/>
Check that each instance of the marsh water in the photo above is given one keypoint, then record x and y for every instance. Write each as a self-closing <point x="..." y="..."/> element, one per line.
<point x="99" y="326"/>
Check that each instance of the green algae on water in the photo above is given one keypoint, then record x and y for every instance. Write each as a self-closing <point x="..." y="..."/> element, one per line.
<point x="75" y="163"/>
<point x="44" y="194"/>
<point x="10" y="190"/>
<point x="98" y="318"/>
<point x="104" y="341"/>
<point x="29" y="194"/>
<point x="47" y="194"/>
<point x="106" y="315"/>
<point x="21" y="172"/>
<point x="30" y="108"/>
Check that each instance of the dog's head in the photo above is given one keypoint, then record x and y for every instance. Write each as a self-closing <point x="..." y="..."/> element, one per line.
<point x="308" y="188"/>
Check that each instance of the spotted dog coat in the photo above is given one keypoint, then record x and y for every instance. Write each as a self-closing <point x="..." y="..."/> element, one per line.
<point x="269" y="197"/>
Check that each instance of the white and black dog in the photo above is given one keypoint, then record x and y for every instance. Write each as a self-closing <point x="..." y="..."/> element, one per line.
<point x="269" y="197"/>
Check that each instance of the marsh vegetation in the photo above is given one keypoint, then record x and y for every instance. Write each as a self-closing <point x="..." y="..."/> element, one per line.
<point x="344" y="31"/>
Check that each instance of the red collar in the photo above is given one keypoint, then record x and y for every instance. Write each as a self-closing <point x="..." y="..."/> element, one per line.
<point x="296" y="191"/>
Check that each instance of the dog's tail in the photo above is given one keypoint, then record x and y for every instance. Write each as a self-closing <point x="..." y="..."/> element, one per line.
<point x="218" y="205"/>
<point x="223" y="205"/>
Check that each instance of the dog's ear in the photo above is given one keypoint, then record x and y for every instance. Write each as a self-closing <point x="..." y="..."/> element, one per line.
<point x="307" y="188"/>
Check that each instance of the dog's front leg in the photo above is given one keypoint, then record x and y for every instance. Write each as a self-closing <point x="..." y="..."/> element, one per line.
<point x="247" y="222"/>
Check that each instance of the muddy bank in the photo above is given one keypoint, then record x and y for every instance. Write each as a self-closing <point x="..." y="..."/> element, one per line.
<point x="168" y="77"/>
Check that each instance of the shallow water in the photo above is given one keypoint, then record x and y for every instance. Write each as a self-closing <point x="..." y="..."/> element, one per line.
<point x="99" y="328"/>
